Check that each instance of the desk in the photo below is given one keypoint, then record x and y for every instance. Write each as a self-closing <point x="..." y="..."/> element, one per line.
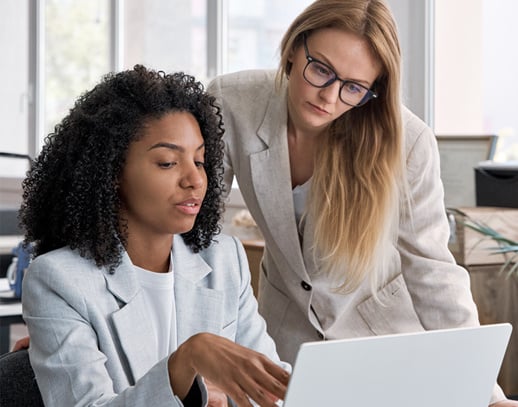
<point x="10" y="313"/>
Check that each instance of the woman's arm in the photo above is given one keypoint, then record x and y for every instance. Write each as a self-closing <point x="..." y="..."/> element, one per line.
<point x="440" y="289"/>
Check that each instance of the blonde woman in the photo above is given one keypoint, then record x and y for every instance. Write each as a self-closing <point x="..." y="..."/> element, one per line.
<point x="343" y="182"/>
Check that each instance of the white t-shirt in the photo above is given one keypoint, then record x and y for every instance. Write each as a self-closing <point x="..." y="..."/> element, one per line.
<point x="158" y="291"/>
<point x="300" y="197"/>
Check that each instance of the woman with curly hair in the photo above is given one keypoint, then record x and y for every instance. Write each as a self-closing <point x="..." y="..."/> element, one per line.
<point x="130" y="300"/>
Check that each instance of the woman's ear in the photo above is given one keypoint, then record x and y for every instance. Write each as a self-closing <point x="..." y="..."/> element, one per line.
<point x="290" y="56"/>
<point x="289" y="63"/>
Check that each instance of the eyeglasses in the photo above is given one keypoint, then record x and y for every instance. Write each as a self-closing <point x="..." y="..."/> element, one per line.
<point x="321" y="75"/>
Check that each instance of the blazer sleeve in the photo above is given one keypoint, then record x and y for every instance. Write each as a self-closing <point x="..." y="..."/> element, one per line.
<point x="440" y="289"/>
<point x="70" y="369"/>
<point x="215" y="89"/>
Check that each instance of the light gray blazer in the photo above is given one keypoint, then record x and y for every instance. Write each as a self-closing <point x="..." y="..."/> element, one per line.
<point x="90" y="332"/>
<point x="425" y="289"/>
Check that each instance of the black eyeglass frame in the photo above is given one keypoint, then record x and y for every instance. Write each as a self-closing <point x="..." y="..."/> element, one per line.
<point x="368" y="96"/>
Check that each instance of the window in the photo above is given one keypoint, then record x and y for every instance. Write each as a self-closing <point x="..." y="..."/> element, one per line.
<point x="54" y="50"/>
<point x="14" y="103"/>
<point x="255" y="30"/>
<point x="475" y="70"/>
<point x="166" y="35"/>
<point x="77" y="53"/>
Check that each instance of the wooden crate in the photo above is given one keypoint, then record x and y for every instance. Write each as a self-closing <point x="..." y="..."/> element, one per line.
<point x="470" y="247"/>
<point x="496" y="296"/>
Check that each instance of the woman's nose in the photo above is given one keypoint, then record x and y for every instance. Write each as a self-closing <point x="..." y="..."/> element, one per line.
<point x="195" y="178"/>
<point x="330" y="94"/>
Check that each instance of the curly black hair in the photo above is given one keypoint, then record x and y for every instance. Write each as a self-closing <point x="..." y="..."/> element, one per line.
<point x="70" y="194"/>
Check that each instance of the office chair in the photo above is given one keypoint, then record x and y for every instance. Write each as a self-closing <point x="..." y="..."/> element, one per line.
<point x="17" y="381"/>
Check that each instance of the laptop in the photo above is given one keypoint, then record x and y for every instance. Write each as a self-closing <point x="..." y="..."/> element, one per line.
<point x="450" y="367"/>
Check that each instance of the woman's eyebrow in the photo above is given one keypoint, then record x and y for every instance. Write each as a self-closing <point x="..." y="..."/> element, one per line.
<point x="172" y="146"/>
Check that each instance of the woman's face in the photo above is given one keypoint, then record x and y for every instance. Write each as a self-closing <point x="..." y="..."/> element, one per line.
<point x="163" y="183"/>
<point x="312" y="109"/>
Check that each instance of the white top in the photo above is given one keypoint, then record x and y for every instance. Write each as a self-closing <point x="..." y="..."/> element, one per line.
<point x="158" y="291"/>
<point x="300" y="196"/>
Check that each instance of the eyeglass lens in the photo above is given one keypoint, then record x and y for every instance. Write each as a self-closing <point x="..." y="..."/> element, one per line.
<point x="320" y="75"/>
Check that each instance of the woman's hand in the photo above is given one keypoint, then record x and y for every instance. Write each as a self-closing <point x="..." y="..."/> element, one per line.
<point x="22" y="343"/>
<point x="239" y="372"/>
<point x="217" y="398"/>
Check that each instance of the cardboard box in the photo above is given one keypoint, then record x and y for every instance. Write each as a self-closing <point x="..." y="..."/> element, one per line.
<point x="469" y="247"/>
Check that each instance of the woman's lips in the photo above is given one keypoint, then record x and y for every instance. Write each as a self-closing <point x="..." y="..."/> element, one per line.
<point x="190" y="207"/>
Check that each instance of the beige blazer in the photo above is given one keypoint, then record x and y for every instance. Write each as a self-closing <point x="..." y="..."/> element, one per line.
<point x="425" y="288"/>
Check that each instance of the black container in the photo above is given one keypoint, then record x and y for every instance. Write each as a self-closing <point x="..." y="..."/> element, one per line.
<point x="496" y="184"/>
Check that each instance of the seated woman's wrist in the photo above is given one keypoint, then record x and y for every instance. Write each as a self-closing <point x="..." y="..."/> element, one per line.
<point x="181" y="373"/>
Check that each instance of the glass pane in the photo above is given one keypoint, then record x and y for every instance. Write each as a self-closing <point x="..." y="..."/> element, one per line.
<point x="255" y="30"/>
<point x="166" y="35"/>
<point x="475" y="69"/>
<point x="499" y="85"/>
<point x="14" y="33"/>
<point x="77" y="52"/>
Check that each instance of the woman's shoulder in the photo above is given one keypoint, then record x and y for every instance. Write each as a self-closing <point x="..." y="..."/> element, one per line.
<point x="63" y="256"/>
<point x="415" y="130"/>
<point x="224" y="245"/>
<point x="413" y="125"/>
<point x="242" y="85"/>
<point x="62" y="265"/>
<point x="226" y="250"/>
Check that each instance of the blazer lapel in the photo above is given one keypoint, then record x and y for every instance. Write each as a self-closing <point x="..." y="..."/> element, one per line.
<point x="271" y="179"/>
<point x="131" y="322"/>
<point x="198" y="308"/>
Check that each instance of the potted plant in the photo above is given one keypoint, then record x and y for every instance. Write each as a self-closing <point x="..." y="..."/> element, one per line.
<point x="504" y="245"/>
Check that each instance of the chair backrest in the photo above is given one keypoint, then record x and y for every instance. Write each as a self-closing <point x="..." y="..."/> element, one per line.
<point x="17" y="381"/>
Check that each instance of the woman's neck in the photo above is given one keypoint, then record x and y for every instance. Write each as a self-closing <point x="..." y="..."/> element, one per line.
<point x="150" y="254"/>
<point x="302" y="147"/>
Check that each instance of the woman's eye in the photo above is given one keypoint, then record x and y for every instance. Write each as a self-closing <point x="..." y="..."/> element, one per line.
<point x="200" y="164"/>
<point x="168" y="164"/>
<point x="323" y="70"/>
<point x="352" y="87"/>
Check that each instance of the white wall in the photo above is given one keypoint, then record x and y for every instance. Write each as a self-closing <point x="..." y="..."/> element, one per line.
<point x="458" y="67"/>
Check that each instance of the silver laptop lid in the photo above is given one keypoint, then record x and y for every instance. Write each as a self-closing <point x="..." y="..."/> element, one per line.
<point x="450" y="367"/>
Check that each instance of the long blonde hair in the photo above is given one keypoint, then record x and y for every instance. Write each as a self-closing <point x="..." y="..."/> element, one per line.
<point x="358" y="174"/>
